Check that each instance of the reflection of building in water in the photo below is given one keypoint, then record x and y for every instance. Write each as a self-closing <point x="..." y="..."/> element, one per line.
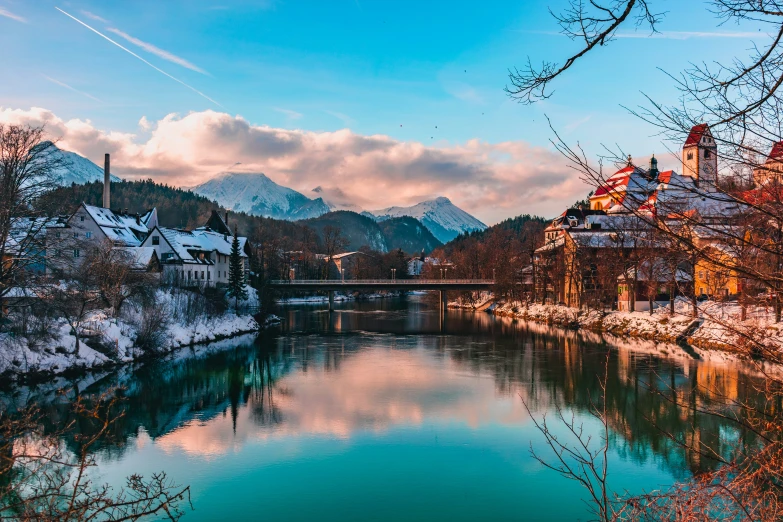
<point x="337" y="385"/>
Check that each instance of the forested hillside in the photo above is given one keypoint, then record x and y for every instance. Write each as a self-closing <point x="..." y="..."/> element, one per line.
<point x="502" y="251"/>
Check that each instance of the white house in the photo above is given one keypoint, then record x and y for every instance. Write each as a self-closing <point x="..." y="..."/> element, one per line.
<point x="68" y="242"/>
<point x="197" y="257"/>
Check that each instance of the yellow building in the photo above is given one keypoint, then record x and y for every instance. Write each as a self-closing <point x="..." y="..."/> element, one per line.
<point x="714" y="276"/>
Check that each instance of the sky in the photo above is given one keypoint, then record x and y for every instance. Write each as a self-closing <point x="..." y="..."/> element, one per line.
<point x="382" y="103"/>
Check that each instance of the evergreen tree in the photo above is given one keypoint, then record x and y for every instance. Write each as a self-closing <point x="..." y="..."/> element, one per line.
<point x="236" y="279"/>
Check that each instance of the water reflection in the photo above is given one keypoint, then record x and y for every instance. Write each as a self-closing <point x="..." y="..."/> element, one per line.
<point x="375" y="367"/>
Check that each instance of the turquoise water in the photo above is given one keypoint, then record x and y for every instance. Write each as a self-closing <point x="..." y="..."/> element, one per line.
<point x="384" y="411"/>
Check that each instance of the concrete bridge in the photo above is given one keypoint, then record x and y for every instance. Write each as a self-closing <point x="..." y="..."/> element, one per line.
<point x="333" y="285"/>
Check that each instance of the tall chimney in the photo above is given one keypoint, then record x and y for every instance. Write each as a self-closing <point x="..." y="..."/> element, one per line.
<point x="106" y="182"/>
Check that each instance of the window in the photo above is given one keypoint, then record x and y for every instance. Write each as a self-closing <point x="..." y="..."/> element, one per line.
<point x="208" y="276"/>
<point x="189" y="274"/>
<point x="706" y="153"/>
<point x="701" y="275"/>
<point x="81" y="218"/>
<point x="76" y="252"/>
<point x="75" y="235"/>
<point x="156" y="240"/>
<point x="58" y="253"/>
<point x="57" y="235"/>
<point x="88" y="235"/>
<point x="202" y="274"/>
<point x="690" y="155"/>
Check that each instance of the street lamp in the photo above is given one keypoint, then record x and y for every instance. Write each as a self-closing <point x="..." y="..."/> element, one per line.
<point x="445" y="273"/>
<point x="342" y="275"/>
<point x="441" y="273"/>
<point x="293" y="274"/>
<point x="394" y="274"/>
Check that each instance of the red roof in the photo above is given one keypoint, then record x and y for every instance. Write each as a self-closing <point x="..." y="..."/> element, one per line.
<point x="665" y="177"/>
<point x="696" y="134"/>
<point x="777" y="151"/>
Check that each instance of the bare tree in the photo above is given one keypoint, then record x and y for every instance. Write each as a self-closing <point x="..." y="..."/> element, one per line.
<point x="40" y="479"/>
<point x="28" y="169"/>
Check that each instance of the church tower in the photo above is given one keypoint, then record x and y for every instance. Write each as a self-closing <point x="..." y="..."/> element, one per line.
<point x="700" y="155"/>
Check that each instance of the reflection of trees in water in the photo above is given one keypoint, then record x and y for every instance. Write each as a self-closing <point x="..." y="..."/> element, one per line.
<point x="648" y="396"/>
<point x="650" y="399"/>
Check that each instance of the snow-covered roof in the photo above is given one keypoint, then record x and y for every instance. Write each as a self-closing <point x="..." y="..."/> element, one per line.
<point x="187" y="244"/>
<point x="552" y="245"/>
<point x="127" y="229"/>
<point x="657" y="271"/>
<point x="140" y="256"/>
<point x="347" y="254"/>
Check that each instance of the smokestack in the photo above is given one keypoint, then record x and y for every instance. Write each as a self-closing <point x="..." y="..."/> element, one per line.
<point x="106" y="182"/>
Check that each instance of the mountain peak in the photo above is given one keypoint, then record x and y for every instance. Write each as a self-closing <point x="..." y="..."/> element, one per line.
<point x="444" y="219"/>
<point x="257" y="194"/>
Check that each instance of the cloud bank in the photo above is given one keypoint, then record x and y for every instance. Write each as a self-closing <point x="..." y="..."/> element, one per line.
<point x="493" y="181"/>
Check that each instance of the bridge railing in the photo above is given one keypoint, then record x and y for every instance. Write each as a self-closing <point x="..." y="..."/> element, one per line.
<point x="411" y="282"/>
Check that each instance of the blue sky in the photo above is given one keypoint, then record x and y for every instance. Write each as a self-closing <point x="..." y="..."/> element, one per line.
<point x="429" y="72"/>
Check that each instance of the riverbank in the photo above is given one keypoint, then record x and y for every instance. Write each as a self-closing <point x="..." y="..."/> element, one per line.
<point x="718" y="325"/>
<point x="338" y="296"/>
<point x="106" y="342"/>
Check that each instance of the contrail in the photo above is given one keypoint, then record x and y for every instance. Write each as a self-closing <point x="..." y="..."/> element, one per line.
<point x="63" y="84"/>
<point x="140" y="58"/>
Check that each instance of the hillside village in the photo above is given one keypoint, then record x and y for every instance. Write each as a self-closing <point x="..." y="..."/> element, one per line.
<point x="612" y="252"/>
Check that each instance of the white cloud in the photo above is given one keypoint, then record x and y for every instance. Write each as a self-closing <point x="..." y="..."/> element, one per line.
<point x="347" y="120"/>
<point x="145" y="124"/>
<point x="157" y="51"/>
<point x="289" y="113"/>
<point x="93" y="16"/>
<point x="492" y="181"/>
<point x="8" y="14"/>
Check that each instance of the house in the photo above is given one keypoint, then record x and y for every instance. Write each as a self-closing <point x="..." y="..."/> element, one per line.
<point x="652" y="281"/>
<point x="197" y="257"/>
<point x="350" y="265"/>
<point x="415" y="264"/>
<point x="772" y="168"/>
<point x="69" y="240"/>
<point x="714" y="275"/>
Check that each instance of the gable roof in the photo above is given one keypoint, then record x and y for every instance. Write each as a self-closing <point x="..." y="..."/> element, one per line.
<point x="696" y="134"/>
<point x="187" y="244"/>
<point x="120" y="227"/>
<point x="777" y="152"/>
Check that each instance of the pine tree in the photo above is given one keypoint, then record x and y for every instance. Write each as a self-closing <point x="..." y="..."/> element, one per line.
<point x="236" y="279"/>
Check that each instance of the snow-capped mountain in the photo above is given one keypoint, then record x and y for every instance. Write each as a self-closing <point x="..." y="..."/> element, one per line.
<point x="444" y="219"/>
<point x="256" y="194"/>
<point x="71" y="167"/>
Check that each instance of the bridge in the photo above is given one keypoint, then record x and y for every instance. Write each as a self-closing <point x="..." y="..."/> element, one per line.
<point x="333" y="285"/>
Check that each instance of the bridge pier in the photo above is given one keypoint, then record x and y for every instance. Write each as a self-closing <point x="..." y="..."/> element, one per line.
<point x="331" y="300"/>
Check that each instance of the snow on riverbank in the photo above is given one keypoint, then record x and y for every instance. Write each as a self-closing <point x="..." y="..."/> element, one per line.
<point x="718" y="325"/>
<point x="106" y="341"/>
<point x="338" y="296"/>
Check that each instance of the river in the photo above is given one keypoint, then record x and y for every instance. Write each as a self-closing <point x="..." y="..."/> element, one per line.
<point x="384" y="410"/>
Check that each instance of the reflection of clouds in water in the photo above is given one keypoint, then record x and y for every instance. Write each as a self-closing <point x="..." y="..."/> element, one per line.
<point x="373" y="390"/>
